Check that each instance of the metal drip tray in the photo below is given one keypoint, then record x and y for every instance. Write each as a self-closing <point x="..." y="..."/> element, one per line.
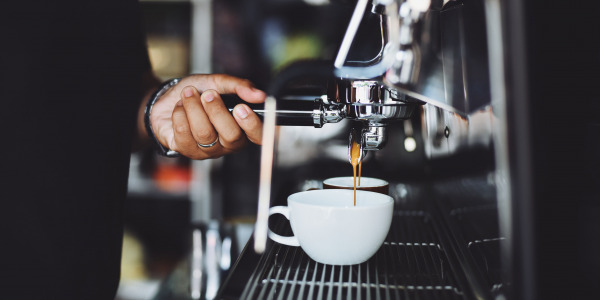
<point x="411" y="264"/>
<point x="483" y="245"/>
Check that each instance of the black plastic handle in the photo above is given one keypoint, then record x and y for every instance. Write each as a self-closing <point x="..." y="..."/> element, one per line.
<point x="290" y="111"/>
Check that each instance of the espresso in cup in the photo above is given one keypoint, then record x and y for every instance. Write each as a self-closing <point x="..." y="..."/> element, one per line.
<point x="331" y="229"/>
<point x="366" y="184"/>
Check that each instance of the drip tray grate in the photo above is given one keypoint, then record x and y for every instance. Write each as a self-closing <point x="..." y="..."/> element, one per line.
<point x="411" y="264"/>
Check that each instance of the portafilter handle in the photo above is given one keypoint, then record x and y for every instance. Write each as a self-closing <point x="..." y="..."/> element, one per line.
<point x="293" y="111"/>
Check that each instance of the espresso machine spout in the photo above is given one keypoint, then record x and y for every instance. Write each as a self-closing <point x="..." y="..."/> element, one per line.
<point x="374" y="105"/>
<point x="374" y="137"/>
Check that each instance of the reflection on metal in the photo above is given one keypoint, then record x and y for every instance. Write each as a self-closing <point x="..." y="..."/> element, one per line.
<point x="225" y="261"/>
<point x="407" y="61"/>
<point x="210" y="256"/>
<point x="475" y="242"/>
<point x="498" y="92"/>
<point x="445" y="133"/>
<point x="374" y="137"/>
<point x="514" y="173"/>
<point x="359" y="11"/>
<point x="378" y="65"/>
<point x="372" y="103"/>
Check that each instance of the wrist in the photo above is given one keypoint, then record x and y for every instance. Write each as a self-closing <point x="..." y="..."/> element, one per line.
<point x="167" y="85"/>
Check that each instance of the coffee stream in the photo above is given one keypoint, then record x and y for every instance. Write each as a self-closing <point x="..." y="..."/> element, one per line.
<point x="354" y="160"/>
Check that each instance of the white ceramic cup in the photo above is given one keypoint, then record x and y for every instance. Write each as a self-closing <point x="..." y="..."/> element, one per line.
<point x="366" y="184"/>
<point x="331" y="230"/>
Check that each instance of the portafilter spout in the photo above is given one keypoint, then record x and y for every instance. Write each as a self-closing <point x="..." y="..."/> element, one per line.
<point x="375" y="105"/>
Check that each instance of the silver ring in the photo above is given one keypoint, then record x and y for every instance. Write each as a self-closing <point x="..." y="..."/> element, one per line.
<point x="208" y="145"/>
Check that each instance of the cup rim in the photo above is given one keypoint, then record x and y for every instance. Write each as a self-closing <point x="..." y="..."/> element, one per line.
<point x="384" y="182"/>
<point x="386" y="199"/>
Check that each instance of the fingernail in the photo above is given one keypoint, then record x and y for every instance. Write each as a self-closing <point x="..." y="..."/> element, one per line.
<point x="208" y="96"/>
<point x="179" y="103"/>
<point x="241" y="111"/>
<point x="256" y="90"/>
<point x="259" y="93"/>
<point x="188" y="92"/>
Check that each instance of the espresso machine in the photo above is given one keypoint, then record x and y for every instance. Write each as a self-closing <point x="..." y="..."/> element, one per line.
<point x="451" y="105"/>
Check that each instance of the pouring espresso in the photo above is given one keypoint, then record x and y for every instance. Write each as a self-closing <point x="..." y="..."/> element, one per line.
<point x="355" y="157"/>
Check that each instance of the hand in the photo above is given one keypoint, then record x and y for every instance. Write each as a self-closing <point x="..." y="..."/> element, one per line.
<point x="192" y="113"/>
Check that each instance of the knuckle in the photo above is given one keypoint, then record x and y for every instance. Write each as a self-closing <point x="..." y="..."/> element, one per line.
<point x="203" y="135"/>
<point x="181" y="129"/>
<point x="237" y="143"/>
<point x="216" y="78"/>
<point x="233" y="136"/>
<point x="240" y="140"/>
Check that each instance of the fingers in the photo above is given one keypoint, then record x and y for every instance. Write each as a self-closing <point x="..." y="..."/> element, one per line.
<point x="226" y="84"/>
<point x="249" y="122"/>
<point x="192" y="113"/>
<point x="231" y="136"/>
<point x="184" y="141"/>
<point x="200" y="126"/>
<point x="202" y="119"/>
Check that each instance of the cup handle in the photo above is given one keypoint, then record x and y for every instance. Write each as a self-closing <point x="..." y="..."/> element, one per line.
<point x="286" y="240"/>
